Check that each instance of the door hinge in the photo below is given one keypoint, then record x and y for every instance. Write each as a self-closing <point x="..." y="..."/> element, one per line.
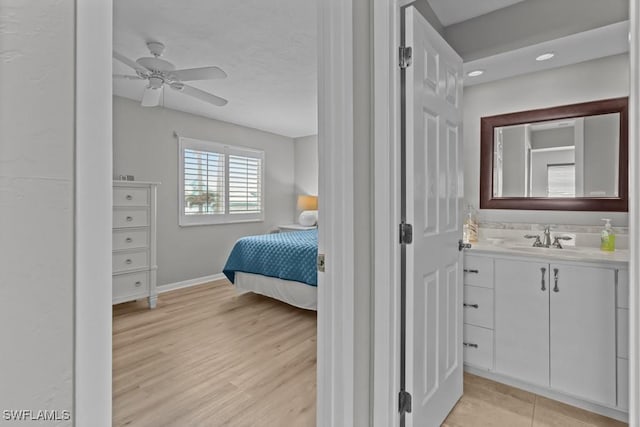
<point x="405" y="56"/>
<point x="405" y="402"/>
<point x="406" y="233"/>
<point x="320" y="263"/>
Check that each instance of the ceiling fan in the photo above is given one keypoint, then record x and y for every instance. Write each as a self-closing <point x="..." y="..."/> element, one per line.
<point x="160" y="73"/>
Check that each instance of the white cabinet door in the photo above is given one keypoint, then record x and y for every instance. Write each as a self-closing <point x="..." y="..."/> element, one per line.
<point x="583" y="332"/>
<point x="522" y="320"/>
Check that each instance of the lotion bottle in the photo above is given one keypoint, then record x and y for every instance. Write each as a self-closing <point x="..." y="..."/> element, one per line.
<point x="607" y="237"/>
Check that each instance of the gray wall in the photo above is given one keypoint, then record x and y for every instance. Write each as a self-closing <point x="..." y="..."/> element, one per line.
<point x="145" y="146"/>
<point x="548" y="138"/>
<point x="306" y="164"/>
<point x="513" y="161"/>
<point x="587" y="81"/>
<point x="36" y="204"/>
<point x="531" y="22"/>
<point x="539" y="162"/>
<point x="601" y="147"/>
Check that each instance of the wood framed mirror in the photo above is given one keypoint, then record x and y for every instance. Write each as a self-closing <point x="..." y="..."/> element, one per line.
<point x="571" y="157"/>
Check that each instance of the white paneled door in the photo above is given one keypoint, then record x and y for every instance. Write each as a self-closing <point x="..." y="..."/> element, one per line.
<point x="433" y="84"/>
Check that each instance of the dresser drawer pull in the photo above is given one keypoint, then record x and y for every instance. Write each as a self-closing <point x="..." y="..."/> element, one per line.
<point x="470" y="305"/>
<point x="128" y="240"/>
<point x="467" y="270"/>
<point x="129" y="218"/>
<point x="542" y="281"/>
<point x="468" y="344"/>
<point x="555" y="279"/>
<point x="128" y="261"/>
<point x="129" y="197"/>
<point x="138" y="284"/>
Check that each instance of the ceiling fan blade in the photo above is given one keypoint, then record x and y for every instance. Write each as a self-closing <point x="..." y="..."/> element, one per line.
<point x="139" y="68"/>
<point x="199" y="94"/>
<point x="126" y="77"/>
<point x="204" y="73"/>
<point x="151" y="97"/>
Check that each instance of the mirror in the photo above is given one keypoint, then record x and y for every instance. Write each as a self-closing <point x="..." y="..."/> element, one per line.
<point x="572" y="157"/>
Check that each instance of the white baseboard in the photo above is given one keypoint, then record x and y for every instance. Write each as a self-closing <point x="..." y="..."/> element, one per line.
<point x="191" y="282"/>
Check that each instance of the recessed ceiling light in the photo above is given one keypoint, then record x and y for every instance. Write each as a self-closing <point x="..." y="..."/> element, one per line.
<point x="475" y="73"/>
<point x="545" y="56"/>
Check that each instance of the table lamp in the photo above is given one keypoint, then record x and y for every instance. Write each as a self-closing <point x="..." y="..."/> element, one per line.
<point x="309" y="207"/>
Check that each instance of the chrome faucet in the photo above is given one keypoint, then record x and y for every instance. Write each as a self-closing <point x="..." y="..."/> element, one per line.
<point x="546" y="242"/>
<point x="547" y="236"/>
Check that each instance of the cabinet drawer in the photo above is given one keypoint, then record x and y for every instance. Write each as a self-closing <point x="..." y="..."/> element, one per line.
<point x="623" y="384"/>
<point x="128" y="285"/>
<point x="130" y="239"/>
<point x="478" y="347"/>
<point x="130" y="196"/>
<point x="478" y="308"/>
<point x="478" y="271"/>
<point x="623" y="289"/>
<point x="130" y="260"/>
<point x="623" y="333"/>
<point x="132" y="217"/>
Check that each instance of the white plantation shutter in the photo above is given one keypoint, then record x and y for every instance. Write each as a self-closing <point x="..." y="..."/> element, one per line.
<point x="561" y="180"/>
<point x="219" y="183"/>
<point x="245" y="184"/>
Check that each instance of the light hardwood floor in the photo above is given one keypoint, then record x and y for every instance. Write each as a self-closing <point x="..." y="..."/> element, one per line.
<point x="207" y="357"/>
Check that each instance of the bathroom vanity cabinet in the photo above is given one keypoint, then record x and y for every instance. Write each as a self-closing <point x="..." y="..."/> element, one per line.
<point x="553" y="327"/>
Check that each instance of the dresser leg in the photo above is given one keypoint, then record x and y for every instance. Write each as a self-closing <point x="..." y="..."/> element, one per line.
<point x="153" y="301"/>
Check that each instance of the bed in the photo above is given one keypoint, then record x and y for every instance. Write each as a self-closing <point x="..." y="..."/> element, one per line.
<point x="278" y="265"/>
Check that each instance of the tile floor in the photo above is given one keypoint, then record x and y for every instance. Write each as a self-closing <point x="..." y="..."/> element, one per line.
<point x="489" y="404"/>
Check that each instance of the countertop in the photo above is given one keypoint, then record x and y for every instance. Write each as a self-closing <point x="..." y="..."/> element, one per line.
<point x="618" y="258"/>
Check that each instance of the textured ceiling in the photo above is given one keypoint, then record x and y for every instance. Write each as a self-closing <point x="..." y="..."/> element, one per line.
<point x="451" y="12"/>
<point x="267" y="49"/>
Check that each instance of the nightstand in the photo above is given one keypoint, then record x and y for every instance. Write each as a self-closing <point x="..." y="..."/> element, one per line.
<point x="295" y="227"/>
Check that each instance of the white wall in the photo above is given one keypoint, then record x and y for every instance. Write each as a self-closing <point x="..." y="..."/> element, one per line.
<point x="145" y="146"/>
<point x="588" y="81"/>
<point x="36" y="204"/>
<point x="306" y="164"/>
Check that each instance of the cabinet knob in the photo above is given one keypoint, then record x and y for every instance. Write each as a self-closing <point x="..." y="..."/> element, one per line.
<point x="129" y="197"/>
<point x="129" y="218"/>
<point x="128" y="261"/>
<point x="128" y="240"/>
<point x="543" y="270"/>
<point x="555" y="279"/>
<point x="138" y="284"/>
<point x="470" y="305"/>
<point x="468" y="344"/>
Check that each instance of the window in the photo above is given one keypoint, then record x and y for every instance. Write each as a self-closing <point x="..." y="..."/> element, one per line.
<point x="219" y="183"/>
<point x="561" y="180"/>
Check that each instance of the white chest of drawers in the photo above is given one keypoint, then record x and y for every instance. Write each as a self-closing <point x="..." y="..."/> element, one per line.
<point x="134" y="241"/>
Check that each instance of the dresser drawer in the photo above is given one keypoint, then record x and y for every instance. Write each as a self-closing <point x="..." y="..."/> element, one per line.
<point x="130" y="217"/>
<point x="478" y="347"/>
<point x="478" y="271"/>
<point x="128" y="285"/>
<point x="478" y="306"/>
<point x="130" y="238"/>
<point x="130" y="260"/>
<point x="623" y="333"/>
<point x="130" y="196"/>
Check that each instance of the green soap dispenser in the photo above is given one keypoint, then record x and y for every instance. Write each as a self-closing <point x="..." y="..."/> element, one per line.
<point x="607" y="237"/>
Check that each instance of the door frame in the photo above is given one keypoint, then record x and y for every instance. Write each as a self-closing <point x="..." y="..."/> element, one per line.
<point x="386" y="114"/>
<point x="93" y="200"/>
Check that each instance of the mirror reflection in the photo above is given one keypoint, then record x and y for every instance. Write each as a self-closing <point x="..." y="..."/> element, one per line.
<point x="576" y="157"/>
